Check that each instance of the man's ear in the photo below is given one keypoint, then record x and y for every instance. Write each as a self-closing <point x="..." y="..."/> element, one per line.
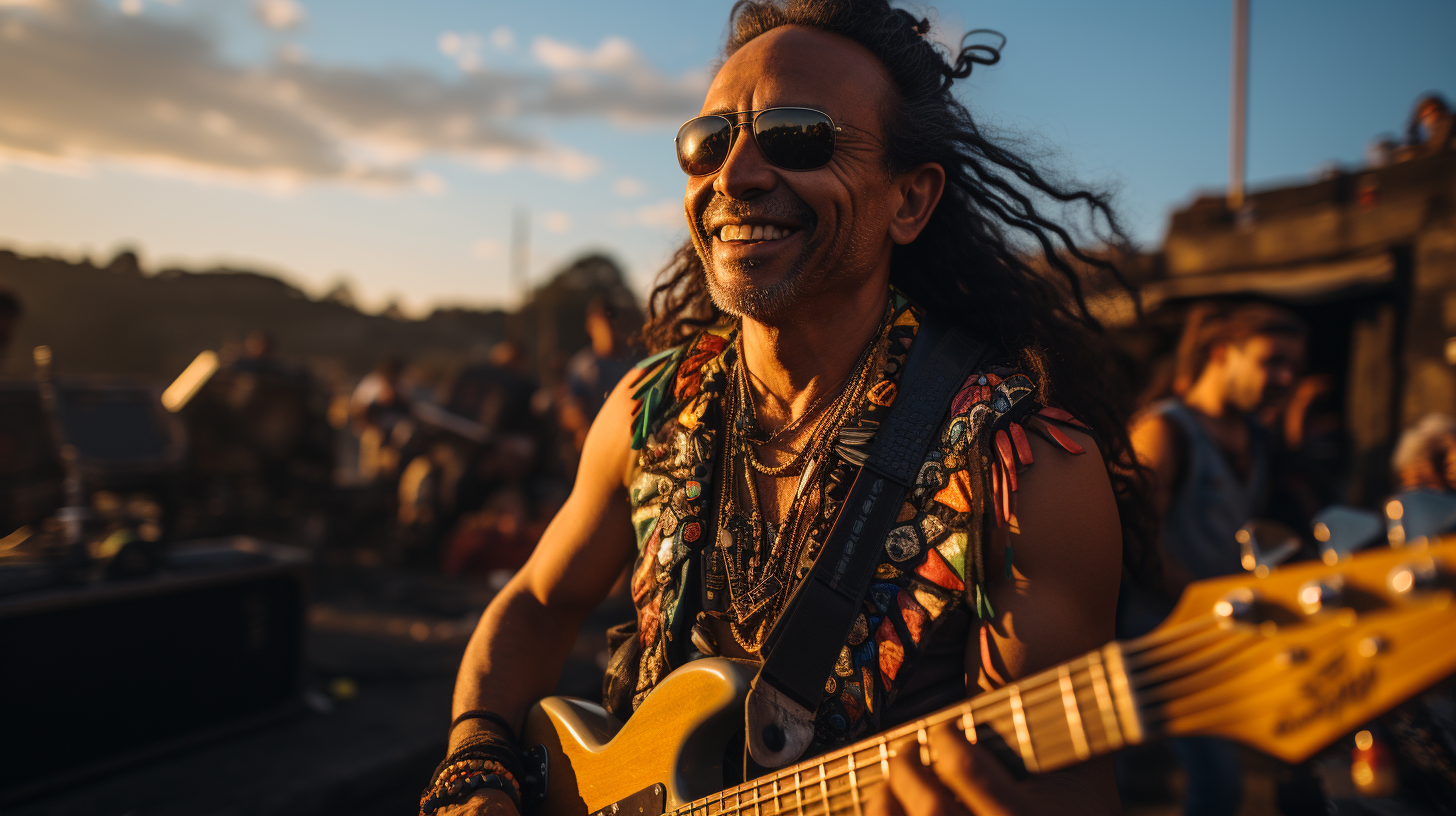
<point x="918" y="191"/>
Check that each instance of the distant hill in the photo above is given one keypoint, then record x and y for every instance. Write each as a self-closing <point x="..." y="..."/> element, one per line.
<point x="119" y="321"/>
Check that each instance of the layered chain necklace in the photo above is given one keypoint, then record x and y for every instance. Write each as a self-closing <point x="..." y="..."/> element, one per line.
<point x="759" y="556"/>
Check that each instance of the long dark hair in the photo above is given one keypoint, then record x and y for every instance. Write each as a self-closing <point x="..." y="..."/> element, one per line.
<point x="989" y="258"/>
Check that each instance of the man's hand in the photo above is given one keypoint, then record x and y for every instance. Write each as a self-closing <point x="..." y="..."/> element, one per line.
<point x="964" y="779"/>
<point x="487" y="802"/>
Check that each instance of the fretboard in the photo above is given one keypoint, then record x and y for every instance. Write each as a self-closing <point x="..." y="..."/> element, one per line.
<point x="1059" y="717"/>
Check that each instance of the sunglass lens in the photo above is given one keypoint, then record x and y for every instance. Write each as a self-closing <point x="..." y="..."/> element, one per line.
<point x="702" y="144"/>
<point x="795" y="138"/>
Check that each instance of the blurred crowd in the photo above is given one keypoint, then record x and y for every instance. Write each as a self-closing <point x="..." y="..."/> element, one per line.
<point x="457" y="471"/>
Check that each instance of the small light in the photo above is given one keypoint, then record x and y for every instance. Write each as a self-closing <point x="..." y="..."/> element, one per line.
<point x="1262" y="571"/>
<point x="1249" y="562"/>
<point x="1321" y="532"/>
<point x="1223" y="609"/>
<point x="1330" y="557"/>
<point x="1403" y="580"/>
<point x="1310" y="596"/>
<point x="1364" y="740"/>
<point x="1394" y="510"/>
<point x="1370" y="646"/>
<point x="1242" y="536"/>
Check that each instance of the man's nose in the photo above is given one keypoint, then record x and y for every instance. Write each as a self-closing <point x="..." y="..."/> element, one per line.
<point x="745" y="173"/>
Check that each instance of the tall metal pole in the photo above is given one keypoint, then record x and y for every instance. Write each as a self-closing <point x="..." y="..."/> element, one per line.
<point x="1239" y="105"/>
<point x="521" y="252"/>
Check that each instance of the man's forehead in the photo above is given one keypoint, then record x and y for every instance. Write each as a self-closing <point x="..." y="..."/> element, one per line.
<point x="798" y="66"/>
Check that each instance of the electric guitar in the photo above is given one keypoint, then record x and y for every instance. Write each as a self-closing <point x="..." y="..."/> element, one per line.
<point x="1284" y="663"/>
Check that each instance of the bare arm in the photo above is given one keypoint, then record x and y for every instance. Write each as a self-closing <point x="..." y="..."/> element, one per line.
<point x="516" y="653"/>
<point x="1157" y="445"/>
<point x="1059" y="603"/>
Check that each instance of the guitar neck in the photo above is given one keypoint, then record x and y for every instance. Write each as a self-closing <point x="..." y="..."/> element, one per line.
<point x="1059" y="717"/>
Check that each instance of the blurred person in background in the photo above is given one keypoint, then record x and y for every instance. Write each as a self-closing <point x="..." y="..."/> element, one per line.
<point x="261" y="445"/>
<point x="1310" y="447"/>
<point x="504" y="489"/>
<point x="1425" y="456"/>
<point x="594" y="371"/>
<point x="1430" y="130"/>
<point x="377" y="407"/>
<point x="1210" y="463"/>
<point x="10" y="313"/>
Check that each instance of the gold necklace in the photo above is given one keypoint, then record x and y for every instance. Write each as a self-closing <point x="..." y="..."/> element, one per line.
<point x="859" y="374"/>
<point x="758" y="581"/>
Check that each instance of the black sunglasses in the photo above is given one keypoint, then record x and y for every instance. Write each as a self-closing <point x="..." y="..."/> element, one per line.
<point x="790" y="138"/>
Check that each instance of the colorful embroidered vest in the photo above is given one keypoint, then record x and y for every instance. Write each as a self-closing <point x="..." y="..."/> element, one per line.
<point x="932" y="559"/>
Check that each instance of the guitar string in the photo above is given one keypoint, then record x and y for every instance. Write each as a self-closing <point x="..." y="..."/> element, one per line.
<point x="1050" y="749"/>
<point x="850" y="755"/>
<point x="1040" y="701"/>
<point x="1035" y="697"/>
<point x="1036" y="700"/>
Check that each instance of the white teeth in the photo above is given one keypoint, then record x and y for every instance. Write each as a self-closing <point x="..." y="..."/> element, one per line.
<point x="744" y="232"/>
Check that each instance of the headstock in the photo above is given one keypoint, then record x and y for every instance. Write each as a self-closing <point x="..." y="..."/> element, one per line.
<point x="1290" y="661"/>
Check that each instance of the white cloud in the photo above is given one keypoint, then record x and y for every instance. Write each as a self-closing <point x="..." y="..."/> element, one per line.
<point x="486" y="249"/>
<point x="613" y="54"/>
<point x="628" y="187"/>
<point x="503" y="38"/>
<point x="157" y="95"/>
<point x="464" y="49"/>
<point x="278" y="14"/>
<point x="667" y="213"/>
<point x="556" y="221"/>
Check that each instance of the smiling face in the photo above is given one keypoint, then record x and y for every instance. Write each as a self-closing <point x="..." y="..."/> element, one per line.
<point x="774" y="240"/>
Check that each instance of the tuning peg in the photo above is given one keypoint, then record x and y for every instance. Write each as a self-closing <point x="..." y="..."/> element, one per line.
<point x="1409" y="578"/>
<point x="1320" y="593"/>
<point x="1238" y="605"/>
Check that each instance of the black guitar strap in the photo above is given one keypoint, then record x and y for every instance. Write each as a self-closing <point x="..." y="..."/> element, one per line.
<point x="801" y="650"/>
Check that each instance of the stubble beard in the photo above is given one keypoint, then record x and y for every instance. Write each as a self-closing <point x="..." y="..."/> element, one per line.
<point x="731" y="287"/>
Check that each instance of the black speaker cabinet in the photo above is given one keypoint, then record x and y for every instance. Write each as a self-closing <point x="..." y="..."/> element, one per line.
<point x="95" y="676"/>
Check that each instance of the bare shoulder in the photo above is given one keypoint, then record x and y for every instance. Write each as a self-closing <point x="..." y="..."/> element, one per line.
<point x="1153" y="436"/>
<point x="1067" y="514"/>
<point x="1057" y="598"/>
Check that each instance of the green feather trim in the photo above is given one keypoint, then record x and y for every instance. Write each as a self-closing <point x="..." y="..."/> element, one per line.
<point x="655" y="393"/>
<point x="983" y="604"/>
<point x="647" y="363"/>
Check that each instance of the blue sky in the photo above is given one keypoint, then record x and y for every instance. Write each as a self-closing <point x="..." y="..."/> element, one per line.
<point x="388" y="143"/>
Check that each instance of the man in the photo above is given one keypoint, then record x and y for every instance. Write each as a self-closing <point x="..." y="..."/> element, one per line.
<point x="1430" y="130"/>
<point x="591" y="372"/>
<point x="794" y="247"/>
<point x="10" y="313"/>
<point x="1210" y="462"/>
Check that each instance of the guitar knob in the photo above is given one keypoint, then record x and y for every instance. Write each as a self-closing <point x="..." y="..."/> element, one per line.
<point x="1320" y="593"/>
<point x="1236" y="606"/>
<point x="1408" y="579"/>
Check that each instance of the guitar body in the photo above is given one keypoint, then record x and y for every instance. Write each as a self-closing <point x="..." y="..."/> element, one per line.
<point x="677" y="739"/>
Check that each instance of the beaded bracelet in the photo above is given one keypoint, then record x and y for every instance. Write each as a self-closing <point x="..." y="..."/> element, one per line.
<point x="461" y="789"/>
<point x="485" y="759"/>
